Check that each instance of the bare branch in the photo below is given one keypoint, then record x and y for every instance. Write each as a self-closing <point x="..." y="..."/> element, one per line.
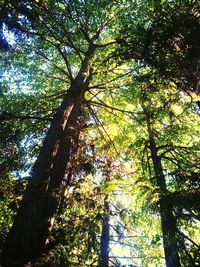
<point x="10" y="116"/>
<point x="64" y="56"/>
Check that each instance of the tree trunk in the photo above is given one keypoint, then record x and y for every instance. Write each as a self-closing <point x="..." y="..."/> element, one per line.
<point x="30" y="234"/>
<point x="105" y="234"/>
<point x="105" y="237"/>
<point x="168" y="221"/>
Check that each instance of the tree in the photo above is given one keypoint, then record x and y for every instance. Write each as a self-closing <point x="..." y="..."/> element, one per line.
<point x="162" y="141"/>
<point x="130" y="101"/>
<point x="165" y="36"/>
<point x="168" y="220"/>
<point x="29" y="235"/>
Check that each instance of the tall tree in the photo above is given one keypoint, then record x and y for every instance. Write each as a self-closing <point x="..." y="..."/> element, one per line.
<point x="137" y="109"/>
<point x="163" y="136"/>
<point x="69" y="27"/>
<point x="168" y="220"/>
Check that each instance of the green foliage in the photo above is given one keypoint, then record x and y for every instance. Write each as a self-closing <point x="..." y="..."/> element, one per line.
<point x="10" y="195"/>
<point x="145" y="73"/>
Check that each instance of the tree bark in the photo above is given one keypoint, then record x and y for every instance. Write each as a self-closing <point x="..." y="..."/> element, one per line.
<point x="168" y="221"/>
<point x="30" y="234"/>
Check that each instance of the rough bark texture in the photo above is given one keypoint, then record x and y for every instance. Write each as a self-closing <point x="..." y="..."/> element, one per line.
<point x="30" y="233"/>
<point x="168" y="220"/>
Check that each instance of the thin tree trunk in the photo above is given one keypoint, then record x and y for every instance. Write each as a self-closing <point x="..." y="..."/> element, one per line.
<point x="105" y="234"/>
<point x="105" y="237"/>
<point x="30" y="234"/>
<point x="168" y="220"/>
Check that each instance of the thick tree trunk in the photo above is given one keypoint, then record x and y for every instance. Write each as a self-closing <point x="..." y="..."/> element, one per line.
<point x="30" y="233"/>
<point x="168" y="221"/>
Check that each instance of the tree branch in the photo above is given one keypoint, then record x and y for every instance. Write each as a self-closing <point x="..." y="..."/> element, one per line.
<point x="10" y="116"/>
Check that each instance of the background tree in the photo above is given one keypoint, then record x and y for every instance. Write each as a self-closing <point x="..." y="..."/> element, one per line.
<point x="165" y="36"/>
<point x="163" y="156"/>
